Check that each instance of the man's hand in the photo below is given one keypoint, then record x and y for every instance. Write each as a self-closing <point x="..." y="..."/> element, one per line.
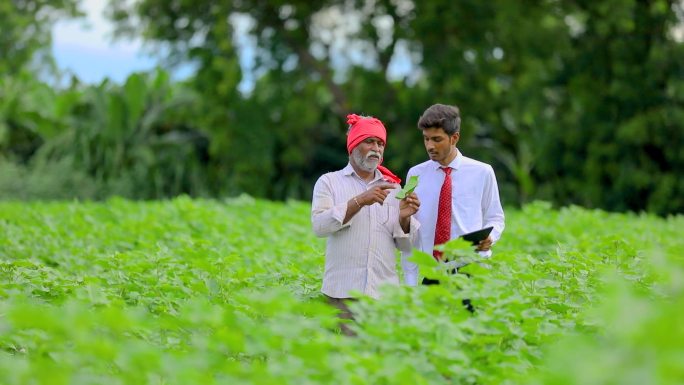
<point x="485" y="244"/>
<point x="408" y="206"/>
<point x="375" y="195"/>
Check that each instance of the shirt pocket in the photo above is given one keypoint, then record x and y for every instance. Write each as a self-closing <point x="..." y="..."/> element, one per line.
<point x="384" y="216"/>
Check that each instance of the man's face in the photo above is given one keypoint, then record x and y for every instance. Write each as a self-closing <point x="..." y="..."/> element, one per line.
<point x="440" y="146"/>
<point x="367" y="155"/>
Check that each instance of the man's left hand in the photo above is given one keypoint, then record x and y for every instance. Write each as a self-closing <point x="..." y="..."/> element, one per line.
<point x="485" y="244"/>
<point x="409" y="206"/>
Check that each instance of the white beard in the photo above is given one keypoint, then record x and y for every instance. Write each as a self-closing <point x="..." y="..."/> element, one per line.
<point x="366" y="163"/>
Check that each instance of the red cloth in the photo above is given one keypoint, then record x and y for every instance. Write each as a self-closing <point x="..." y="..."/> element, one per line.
<point x="363" y="128"/>
<point x="443" y="227"/>
<point x="389" y="175"/>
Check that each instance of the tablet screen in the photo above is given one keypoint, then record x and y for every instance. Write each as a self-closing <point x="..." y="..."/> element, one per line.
<point x="476" y="236"/>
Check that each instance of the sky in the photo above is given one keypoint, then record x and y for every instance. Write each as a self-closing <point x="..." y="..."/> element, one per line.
<point x="86" y="48"/>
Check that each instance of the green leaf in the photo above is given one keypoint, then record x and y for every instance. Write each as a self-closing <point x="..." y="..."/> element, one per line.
<point x="408" y="187"/>
<point x="422" y="259"/>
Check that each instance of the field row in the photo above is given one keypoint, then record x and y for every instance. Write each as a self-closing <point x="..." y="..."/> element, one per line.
<point x="203" y="291"/>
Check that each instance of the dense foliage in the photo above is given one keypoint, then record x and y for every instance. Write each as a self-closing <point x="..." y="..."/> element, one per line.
<point x="571" y="101"/>
<point x="203" y="291"/>
<point x="26" y="32"/>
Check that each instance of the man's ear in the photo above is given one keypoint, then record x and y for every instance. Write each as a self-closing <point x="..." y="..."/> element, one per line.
<point x="455" y="137"/>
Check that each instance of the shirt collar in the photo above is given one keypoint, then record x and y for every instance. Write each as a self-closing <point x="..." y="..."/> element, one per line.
<point x="455" y="164"/>
<point x="349" y="170"/>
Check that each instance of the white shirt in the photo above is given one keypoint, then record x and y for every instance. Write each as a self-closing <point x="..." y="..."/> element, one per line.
<point x="360" y="254"/>
<point x="475" y="204"/>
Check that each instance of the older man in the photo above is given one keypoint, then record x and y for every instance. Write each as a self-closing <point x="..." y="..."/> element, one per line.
<point x="356" y="209"/>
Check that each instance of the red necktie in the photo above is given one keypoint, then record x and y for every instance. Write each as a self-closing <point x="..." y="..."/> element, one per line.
<point x="443" y="228"/>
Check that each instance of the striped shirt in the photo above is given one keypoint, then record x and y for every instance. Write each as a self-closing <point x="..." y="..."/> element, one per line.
<point x="360" y="254"/>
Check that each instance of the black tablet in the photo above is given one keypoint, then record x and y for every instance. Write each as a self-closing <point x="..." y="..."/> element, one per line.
<point x="476" y="236"/>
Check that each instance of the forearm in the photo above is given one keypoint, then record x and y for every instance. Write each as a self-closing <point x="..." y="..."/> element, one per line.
<point x="494" y="216"/>
<point x="353" y="207"/>
<point x="405" y="224"/>
<point x="327" y="217"/>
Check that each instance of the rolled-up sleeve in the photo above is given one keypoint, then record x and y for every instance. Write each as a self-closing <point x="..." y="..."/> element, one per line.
<point x="409" y="268"/>
<point x="326" y="217"/>
<point x="406" y="245"/>
<point x="406" y="241"/>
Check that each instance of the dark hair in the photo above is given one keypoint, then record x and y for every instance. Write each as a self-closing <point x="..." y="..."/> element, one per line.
<point x="441" y="116"/>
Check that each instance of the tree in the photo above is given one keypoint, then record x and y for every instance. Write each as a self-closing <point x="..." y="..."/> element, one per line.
<point x="26" y="31"/>
<point x="621" y="111"/>
<point x="577" y="101"/>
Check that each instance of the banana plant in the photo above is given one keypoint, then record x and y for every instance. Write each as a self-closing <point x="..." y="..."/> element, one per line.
<point x="131" y="138"/>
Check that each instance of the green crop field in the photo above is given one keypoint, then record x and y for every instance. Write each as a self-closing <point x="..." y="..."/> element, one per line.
<point x="204" y="291"/>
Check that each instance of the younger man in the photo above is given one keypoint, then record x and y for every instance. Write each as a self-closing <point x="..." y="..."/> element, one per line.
<point x="458" y="195"/>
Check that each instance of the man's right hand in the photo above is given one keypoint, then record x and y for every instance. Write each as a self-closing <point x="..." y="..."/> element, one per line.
<point x="376" y="194"/>
<point x="485" y="244"/>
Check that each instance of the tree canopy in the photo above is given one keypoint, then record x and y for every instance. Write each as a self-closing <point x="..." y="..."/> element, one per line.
<point x="26" y="30"/>
<point x="576" y="102"/>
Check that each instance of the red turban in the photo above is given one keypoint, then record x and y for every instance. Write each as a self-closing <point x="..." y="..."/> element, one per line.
<point x="363" y="128"/>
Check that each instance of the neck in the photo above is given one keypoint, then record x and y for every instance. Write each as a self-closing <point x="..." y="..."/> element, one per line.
<point x="450" y="158"/>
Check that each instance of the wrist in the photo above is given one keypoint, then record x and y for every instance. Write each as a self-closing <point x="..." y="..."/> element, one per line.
<point x="357" y="202"/>
<point x="405" y="224"/>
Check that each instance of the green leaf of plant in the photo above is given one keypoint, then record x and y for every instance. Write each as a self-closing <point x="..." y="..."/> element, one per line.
<point x="408" y="187"/>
